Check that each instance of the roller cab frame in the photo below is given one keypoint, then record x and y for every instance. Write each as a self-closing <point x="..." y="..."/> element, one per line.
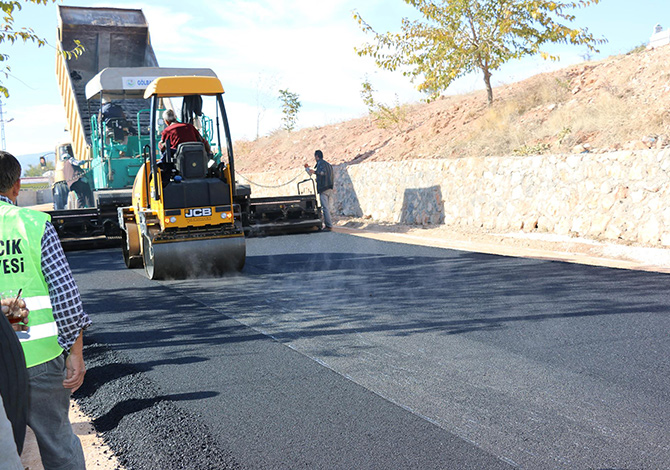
<point x="182" y="219"/>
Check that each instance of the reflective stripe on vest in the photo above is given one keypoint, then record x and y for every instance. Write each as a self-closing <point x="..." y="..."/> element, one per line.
<point x="45" y="330"/>
<point x="21" y="232"/>
<point x="38" y="302"/>
<point x="38" y="332"/>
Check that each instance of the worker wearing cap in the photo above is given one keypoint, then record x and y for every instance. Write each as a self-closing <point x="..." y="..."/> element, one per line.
<point x="32" y="260"/>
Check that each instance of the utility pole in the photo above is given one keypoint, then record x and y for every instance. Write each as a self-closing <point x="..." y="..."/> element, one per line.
<point x="2" y="128"/>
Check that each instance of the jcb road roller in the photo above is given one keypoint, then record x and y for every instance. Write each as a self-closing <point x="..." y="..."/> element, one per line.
<point x="182" y="220"/>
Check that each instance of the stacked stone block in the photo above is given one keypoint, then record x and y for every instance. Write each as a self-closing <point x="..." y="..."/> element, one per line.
<point x="621" y="196"/>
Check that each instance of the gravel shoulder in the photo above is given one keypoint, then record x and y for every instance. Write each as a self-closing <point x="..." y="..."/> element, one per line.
<point x="528" y="245"/>
<point x="520" y="244"/>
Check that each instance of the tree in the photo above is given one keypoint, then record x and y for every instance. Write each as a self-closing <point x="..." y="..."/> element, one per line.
<point x="290" y="107"/>
<point x="39" y="170"/>
<point x="386" y="115"/>
<point x="9" y="34"/>
<point x="463" y="36"/>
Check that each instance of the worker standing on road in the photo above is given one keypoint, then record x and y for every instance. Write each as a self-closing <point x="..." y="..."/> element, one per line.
<point x="60" y="188"/>
<point x="69" y="176"/>
<point x="33" y="261"/>
<point x="324" y="186"/>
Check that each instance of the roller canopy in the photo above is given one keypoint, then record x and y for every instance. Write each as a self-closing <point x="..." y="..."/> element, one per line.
<point x="168" y="87"/>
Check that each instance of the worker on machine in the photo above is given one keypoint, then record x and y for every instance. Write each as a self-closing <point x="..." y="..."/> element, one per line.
<point x="176" y="133"/>
<point x="117" y="126"/>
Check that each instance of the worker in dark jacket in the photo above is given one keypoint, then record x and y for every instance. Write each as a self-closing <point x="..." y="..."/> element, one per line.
<point x="324" y="186"/>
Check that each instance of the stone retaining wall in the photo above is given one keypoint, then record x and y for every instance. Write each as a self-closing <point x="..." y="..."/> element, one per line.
<point x="620" y="196"/>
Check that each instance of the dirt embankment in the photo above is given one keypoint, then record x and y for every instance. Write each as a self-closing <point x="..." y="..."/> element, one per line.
<point x="621" y="102"/>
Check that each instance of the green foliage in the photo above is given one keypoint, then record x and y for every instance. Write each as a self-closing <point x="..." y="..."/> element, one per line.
<point x="637" y="49"/>
<point x="566" y="131"/>
<point x="366" y="94"/>
<point x="290" y="107"/>
<point x="8" y="34"/>
<point x="38" y="170"/>
<point x="387" y="116"/>
<point x="463" y="36"/>
<point x="536" y="149"/>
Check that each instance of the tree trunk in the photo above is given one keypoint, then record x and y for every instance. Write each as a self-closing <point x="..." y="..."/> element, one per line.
<point x="489" y="89"/>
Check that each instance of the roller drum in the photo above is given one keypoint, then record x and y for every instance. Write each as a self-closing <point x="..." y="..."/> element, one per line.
<point x="193" y="258"/>
<point x="130" y="245"/>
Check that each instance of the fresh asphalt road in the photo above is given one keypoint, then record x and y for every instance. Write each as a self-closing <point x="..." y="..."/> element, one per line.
<point x="333" y="351"/>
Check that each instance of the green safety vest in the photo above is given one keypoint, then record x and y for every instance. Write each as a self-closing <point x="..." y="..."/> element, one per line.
<point x="21" y="232"/>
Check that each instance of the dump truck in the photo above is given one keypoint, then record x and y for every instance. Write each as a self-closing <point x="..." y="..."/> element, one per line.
<point x="112" y="38"/>
<point x="117" y="66"/>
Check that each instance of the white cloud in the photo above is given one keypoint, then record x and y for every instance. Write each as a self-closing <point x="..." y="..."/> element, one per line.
<point x="35" y="129"/>
<point x="305" y="46"/>
<point x="257" y="47"/>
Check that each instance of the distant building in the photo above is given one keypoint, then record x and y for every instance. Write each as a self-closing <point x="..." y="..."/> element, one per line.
<point x="659" y="37"/>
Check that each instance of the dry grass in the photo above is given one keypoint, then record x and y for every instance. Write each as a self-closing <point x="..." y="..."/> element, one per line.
<point x="544" y="117"/>
<point x="607" y="118"/>
<point x="510" y="127"/>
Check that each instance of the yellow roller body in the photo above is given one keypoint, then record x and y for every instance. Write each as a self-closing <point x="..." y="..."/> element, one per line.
<point x="187" y="242"/>
<point x="182" y="220"/>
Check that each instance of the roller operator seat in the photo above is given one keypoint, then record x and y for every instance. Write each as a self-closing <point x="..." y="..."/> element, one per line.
<point x="194" y="189"/>
<point x="191" y="160"/>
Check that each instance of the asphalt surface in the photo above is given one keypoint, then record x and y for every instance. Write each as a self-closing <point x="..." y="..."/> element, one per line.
<point x="332" y="351"/>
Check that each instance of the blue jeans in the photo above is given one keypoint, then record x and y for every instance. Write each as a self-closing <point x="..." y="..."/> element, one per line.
<point x="60" y="448"/>
<point x="60" y="192"/>
<point x="327" y="205"/>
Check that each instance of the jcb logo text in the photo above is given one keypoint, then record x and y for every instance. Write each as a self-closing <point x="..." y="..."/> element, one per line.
<point x="204" y="212"/>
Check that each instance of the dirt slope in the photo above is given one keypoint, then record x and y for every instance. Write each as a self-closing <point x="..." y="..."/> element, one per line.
<point x="616" y="103"/>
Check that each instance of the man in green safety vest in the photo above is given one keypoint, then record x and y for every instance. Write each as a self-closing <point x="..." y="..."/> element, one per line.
<point x="32" y="262"/>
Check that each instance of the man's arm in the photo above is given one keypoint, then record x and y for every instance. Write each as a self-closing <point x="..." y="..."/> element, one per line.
<point x="203" y="140"/>
<point x="66" y="304"/>
<point x="161" y="143"/>
<point x="74" y="365"/>
<point x="319" y="168"/>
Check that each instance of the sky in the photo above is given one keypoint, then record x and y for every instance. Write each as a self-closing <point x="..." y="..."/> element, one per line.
<point x="258" y="47"/>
